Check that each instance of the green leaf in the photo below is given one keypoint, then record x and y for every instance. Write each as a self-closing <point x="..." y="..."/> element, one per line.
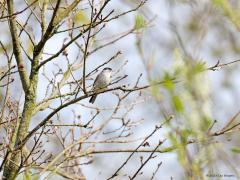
<point x="206" y="123"/>
<point x="179" y="66"/>
<point x="200" y="66"/>
<point x="139" y="22"/>
<point x="80" y="17"/>
<point x="27" y="175"/>
<point x="177" y="103"/>
<point x="155" y="92"/>
<point x="235" y="149"/>
<point x="169" y="85"/>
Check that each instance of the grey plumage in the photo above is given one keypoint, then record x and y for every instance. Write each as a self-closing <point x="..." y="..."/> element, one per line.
<point x="101" y="82"/>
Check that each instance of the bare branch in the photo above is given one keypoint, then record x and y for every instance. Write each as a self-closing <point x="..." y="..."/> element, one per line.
<point x="17" y="48"/>
<point x="218" y="66"/>
<point x="19" y="12"/>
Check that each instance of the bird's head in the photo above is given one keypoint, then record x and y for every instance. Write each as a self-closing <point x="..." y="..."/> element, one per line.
<point x="107" y="71"/>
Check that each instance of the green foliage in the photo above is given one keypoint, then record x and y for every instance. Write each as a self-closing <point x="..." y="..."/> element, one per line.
<point x="189" y="100"/>
<point x="180" y="148"/>
<point x="29" y="175"/>
<point x="81" y="18"/>
<point x="185" y="133"/>
<point x="155" y="92"/>
<point x="200" y="66"/>
<point x="179" y="66"/>
<point x="205" y="124"/>
<point x="140" y="23"/>
<point x="177" y="103"/>
<point x="169" y="84"/>
<point x="232" y="13"/>
<point x="236" y="149"/>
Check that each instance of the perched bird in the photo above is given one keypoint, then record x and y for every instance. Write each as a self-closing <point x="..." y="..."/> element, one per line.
<point x="101" y="82"/>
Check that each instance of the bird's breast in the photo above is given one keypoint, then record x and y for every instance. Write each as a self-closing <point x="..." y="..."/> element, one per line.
<point x="102" y="82"/>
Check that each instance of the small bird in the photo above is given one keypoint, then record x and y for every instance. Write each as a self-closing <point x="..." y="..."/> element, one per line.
<point x="102" y="80"/>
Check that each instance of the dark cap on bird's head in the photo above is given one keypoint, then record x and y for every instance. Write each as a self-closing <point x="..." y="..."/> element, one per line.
<point x="107" y="69"/>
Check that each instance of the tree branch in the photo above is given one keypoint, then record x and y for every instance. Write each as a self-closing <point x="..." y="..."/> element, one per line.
<point x="218" y="66"/>
<point x="17" y="47"/>
<point x="43" y="122"/>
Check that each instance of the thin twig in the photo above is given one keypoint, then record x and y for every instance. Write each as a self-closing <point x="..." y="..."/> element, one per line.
<point x="218" y="66"/>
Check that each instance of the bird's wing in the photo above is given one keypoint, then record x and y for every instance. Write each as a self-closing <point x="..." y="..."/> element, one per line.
<point x="96" y="79"/>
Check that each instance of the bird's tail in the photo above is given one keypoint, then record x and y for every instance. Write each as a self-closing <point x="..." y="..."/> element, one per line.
<point x="92" y="99"/>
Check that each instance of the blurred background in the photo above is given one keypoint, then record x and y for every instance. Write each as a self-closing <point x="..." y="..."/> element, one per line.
<point x="161" y="41"/>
